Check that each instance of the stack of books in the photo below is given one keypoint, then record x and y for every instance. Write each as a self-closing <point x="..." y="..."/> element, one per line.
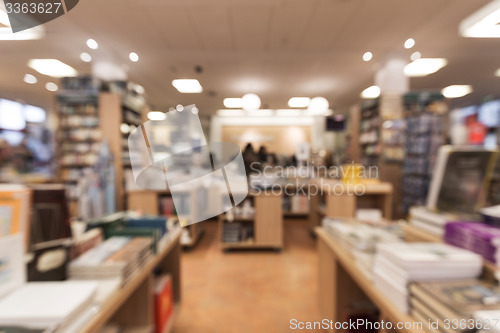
<point x="361" y="240"/>
<point x="398" y="264"/>
<point x="479" y="238"/>
<point x="463" y="304"/>
<point x="429" y="221"/>
<point x="117" y="257"/>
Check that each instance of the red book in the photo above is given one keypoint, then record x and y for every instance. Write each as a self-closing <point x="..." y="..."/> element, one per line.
<point x="164" y="302"/>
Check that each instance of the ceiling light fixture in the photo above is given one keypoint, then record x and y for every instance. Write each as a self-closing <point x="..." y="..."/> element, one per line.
<point x="318" y="106"/>
<point x="51" y="86"/>
<point x="86" y="57"/>
<point x="187" y="86"/>
<point x="485" y="23"/>
<point x="233" y="103"/>
<point x="497" y="73"/>
<point x="133" y="57"/>
<point x="52" y="67"/>
<point x="415" y="56"/>
<point x="424" y="66"/>
<point x="92" y="44"/>
<point x="230" y="113"/>
<point x="299" y="102"/>
<point x="31" y="79"/>
<point x="157" y="115"/>
<point x="251" y="102"/>
<point x="367" y="56"/>
<point x="456" y="90"/>
<point x="371" y="92"/>
<point x="409" y="43"/>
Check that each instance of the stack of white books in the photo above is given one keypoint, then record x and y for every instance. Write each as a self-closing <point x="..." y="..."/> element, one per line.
<point x="429" y="221"/>
<point x="398" y="264"/>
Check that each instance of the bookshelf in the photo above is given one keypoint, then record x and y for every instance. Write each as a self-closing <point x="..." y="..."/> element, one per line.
<point x="132" y="305"/>
<point x="425" y="133"/>
<point x="159" y="203"/>
<point x="89" y="117"/>
<point x="369" y="133"/>
<point x="262" y="229"/>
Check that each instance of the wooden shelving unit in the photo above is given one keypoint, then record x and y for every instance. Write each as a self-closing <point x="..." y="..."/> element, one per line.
<point x="132" y="305"/>
<point x="267" y="223"/>
<point x="88" y="118"/>
<point x="328" y="203"/>
<point x="148" y="202"/>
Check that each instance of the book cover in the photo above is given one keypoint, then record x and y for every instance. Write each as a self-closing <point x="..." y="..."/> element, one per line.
<point x="163" y="302"/>
<point x="15" y="210"/>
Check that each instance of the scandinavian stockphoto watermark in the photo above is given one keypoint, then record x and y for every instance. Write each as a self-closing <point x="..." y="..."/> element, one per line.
<point x="27" y="14"/>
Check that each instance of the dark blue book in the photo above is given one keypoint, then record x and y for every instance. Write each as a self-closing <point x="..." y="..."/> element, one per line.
<point x="157" y="222"/>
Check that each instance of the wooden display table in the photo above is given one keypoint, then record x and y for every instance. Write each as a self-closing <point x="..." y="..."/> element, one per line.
<point x="334" y="199"/>
<point x="132" y="305"/>
<point x="148" y="201"/>
<point x="267" y="223"/>
<point x="341" y="282"/>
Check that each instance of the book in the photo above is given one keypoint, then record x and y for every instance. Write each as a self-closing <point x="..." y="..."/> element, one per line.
<point x="164" y="303"/>
<point x="460" y="179"/>
<point x="152" y="233"/>
<point x="50" y="260"/>
<point x="46" y="304"/>
<point x="21" y="329"/>
<point x="148" y="222"/>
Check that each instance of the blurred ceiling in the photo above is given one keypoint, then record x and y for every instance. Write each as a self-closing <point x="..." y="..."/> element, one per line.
<point x="275" y="48"/>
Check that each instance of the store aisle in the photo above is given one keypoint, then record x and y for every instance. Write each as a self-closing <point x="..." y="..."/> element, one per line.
<point x="249" y="291"/>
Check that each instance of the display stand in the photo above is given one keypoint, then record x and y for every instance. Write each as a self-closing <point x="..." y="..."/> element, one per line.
<point x="132" y="305"/>
<point x="148" y="202"/>
<point x="341" y="282"/>
<point x="329" y="202"/>
<point x="267" y="223"/>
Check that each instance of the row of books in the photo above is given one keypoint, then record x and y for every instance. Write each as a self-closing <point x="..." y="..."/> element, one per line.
<point x="81" y="134"/>
<point x="79" y="121"/>
<point x="80" y="147"/>
<point x="117" y="257"/>
<point x="238" y="232"/>
<point x="78" y="109"/>
<point x="76" y="158"/>
<point x="298" y="204"/>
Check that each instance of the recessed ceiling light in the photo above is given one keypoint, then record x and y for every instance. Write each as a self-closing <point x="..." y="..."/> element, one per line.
<point x="31" y="79"/>
<point x="497" y="73"/>
<point x="187" y="86"/>
<point x="251" y="101"/>
<point x="367" y="56"/>
<point x="124" y="128"/>
<point x="195" y="110"/>
<point x="92" y="44"/>
<point x="133" y="57"/>
<point x="456" y="90"/>
<point x="424" y="66"/>
<point x="415" y="56"/>
<point x="484" y="23"/>
<point x="409" y="43"/>
<point x="51" y="86"/>
<point x="86" y="57"/>
<point x="179" y="108"/>
<point x="233" y="103"/>
<point x="299" y="102"/>
<point x="371" y="92"/>
<point x="52" y="67"/>
<point x="157" y="115"/>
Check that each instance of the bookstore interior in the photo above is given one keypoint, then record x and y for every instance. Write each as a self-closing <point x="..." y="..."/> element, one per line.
<point x="250" y="166"/>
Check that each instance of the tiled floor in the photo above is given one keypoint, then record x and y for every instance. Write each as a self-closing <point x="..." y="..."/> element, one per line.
<point x="250" y="292"/>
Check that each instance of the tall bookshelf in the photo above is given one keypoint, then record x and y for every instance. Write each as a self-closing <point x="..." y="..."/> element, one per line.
<point x="425" y="133"/>
<point x="369" y="133"/>
<point x="90" y="113"/>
